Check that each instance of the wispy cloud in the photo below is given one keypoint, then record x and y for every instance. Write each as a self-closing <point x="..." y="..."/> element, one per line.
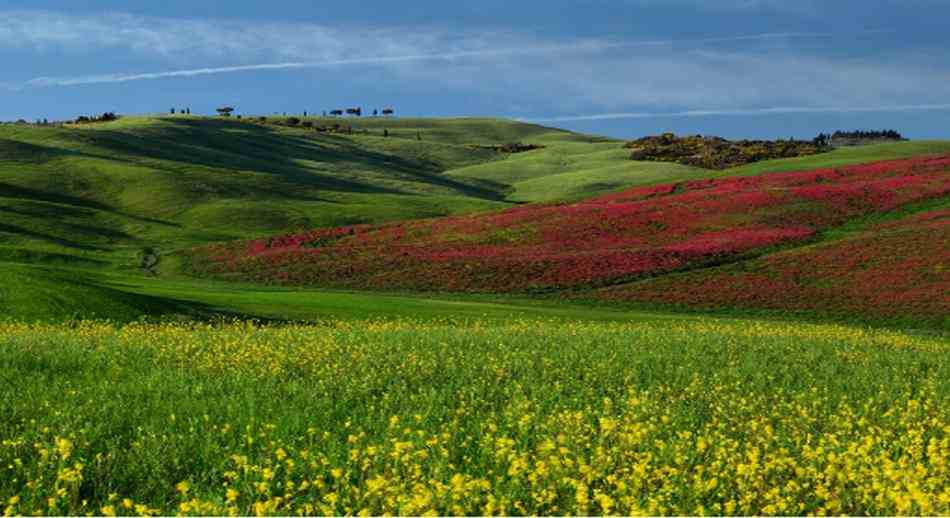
<point x="793" y="6"/>
<point x="177" y="39"/>
<point x="749" y="112"/>
<point x="377" y="60"/>
<point x="347" y="50"/>
<point x="596" y="78"/>
<point x="648" y="81"/>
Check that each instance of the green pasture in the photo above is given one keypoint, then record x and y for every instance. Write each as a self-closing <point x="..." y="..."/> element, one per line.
<point x="79" y="205"/>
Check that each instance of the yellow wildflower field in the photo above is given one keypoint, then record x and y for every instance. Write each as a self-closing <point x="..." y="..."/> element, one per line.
<point x="692" y="416"/>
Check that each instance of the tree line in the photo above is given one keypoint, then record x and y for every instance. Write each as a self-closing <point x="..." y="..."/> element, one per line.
<point x="358" y="112"/>
<point x="824" y="139"/>
<point x="864" y="134"/>
<point x="226" y="111"/>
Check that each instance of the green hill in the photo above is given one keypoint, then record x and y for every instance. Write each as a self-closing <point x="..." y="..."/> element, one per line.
<point x="96" y="195"/>
<point x="80" y="204"/>
<point x="79" y="201"/>
<point x="180" y="181"/>
<point x="844" y="156"/>
<point x="575" y="170"/>
<point x="650" y="232"/>
<point x="571" y="171"/>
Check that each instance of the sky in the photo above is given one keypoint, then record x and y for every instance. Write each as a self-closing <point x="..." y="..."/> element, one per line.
<point x="623" y="68"/>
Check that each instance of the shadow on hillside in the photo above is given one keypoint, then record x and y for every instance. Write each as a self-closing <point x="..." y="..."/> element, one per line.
<point x="25" y="193"/>
<point x="246" y="146"/>
<point x="150" y="307"/>
<point x="20" y="231"/>
<point x="28" y="194"/>
<point x="18" y="151"/>
<point x="163" y="306"/>
<point x="68" y="228"/>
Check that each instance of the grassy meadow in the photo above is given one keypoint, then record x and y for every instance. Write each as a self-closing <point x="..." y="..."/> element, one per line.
<point x="527" y="416"/>
<point x="134" y="392"/>
<point x="79" y="205"/>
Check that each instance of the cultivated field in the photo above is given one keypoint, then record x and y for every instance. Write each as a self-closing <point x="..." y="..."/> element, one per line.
<point x="690" y="416"/>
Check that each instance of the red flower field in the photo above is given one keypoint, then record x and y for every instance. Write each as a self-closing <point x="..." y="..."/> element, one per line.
<point x="888" y="271"/>
<point x="612" y="239"/>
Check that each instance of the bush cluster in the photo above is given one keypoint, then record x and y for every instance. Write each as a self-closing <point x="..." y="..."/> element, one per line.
<point x="716" y="152"/>
<point x="105" y="117"/>
<point x="511" y="147"/>
<point x="863" y="134"/>
<point x="859" y="137"/>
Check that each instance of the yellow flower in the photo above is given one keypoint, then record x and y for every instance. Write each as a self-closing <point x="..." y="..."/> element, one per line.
<point x="183" y="487"/>
<point x="64" y="447"/>
<point x="108" y="510"/>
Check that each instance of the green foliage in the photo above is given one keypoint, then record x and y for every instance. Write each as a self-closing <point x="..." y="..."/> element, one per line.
<point x="716" y="152"/>
<point x="524" y="417"/>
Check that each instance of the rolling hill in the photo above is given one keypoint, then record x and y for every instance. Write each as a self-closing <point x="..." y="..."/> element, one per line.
<point x="79" y="194"/>
<point x="79" y="205"/>
<point x="78" y="202"/>
<point x="612" y="239"/>
<point x="893" y="269"/>
<point x="171" y="182"/>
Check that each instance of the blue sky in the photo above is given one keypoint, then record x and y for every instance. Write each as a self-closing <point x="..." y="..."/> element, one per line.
<point x="736" y="68"/>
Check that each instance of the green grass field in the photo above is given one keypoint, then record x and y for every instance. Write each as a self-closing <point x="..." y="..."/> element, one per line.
<point x="87" y="200"/>
<point x="79" y="205"/>
<point x="127" y="393"/>
<point x="204" y="298"/>
<point x="688" y="416"/>
<point x="571" y="171"/>
<point x="99" y="193"/>
<point x="179" y="181"/>
<point x="844" y="156"/>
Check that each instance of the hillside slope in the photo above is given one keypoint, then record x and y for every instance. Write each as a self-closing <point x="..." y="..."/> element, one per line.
<point x="180" y="181"/>
<point x="641" y="232"/>
<point x="893" y="270"/>
<point x="84" y="200"/>
<point x="42" y="293"/>
<point x="572" y="170"/>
